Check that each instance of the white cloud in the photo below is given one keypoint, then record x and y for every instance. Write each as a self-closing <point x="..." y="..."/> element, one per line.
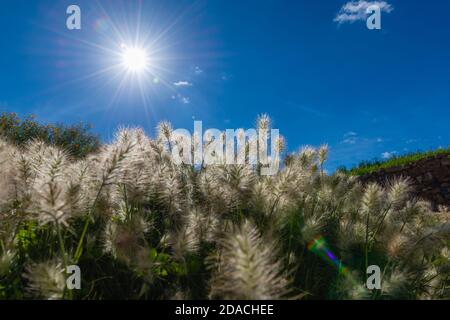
<point x="350" y="140"/>
<point x="185" y="100"/>
<point x="350" y="137"/>
<point x="180" y="98"/>
<point x="350" y="134"/>
<point x="388" y="155"/>
<point x="356" y="10"/>
<point x="197" y="70"/>
<point x="306" y="109"/>
<point x="225" y="77"/>
<point x="182" y="84"/>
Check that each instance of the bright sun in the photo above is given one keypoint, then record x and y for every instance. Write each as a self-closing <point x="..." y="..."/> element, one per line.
<point x="135" y="59"/>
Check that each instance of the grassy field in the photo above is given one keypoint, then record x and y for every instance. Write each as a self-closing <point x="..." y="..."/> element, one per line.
<point x="375" y="165"/>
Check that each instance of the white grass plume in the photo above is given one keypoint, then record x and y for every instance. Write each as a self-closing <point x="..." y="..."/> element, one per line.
<point x="46" y="280"/>
<point x="248" y="268"/>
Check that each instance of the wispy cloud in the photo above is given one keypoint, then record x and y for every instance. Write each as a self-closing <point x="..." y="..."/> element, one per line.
<point x="388" y="154"/>
<point x="350" y="137"/>
<point x="182" y="84"/>
<point x="181" y="98"/>
<point x="409" y="141"/>
<point x="197" y="70"/>
<point x="225" y="76"/>
<point x="312" y="111"/>
<point x="356" y="10"/>
<point x="352" y="149"/>
<point x="351" y="140"/>
<point x="185" y="100"/>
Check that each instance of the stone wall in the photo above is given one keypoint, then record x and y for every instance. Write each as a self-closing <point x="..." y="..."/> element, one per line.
<point x="430" y="178"/>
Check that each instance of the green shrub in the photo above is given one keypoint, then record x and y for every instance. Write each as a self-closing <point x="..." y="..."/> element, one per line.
<point x="74" y="139"/>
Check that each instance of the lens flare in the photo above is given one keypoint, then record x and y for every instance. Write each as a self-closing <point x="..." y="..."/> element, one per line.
<point x="319" y="246"/>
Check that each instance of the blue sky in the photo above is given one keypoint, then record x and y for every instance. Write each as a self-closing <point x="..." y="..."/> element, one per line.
<point x="367" y="93"/>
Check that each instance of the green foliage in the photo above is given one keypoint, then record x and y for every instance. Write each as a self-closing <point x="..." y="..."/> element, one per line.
<point x="164" y="264"/>
<point x="75" y="139"/>
<point x="396" y="161"/>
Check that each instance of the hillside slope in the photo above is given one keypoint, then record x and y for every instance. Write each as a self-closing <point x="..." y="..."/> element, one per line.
<point x="430" y="178"/>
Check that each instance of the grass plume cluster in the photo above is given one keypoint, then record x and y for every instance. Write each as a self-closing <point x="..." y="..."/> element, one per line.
<point x="141" y="227"/>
